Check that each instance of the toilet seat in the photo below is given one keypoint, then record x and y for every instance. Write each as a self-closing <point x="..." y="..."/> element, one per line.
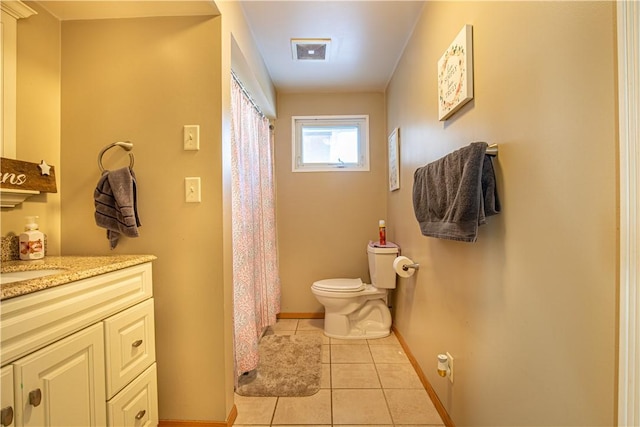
<point x="339" y="285"/>
<point x="368" y="291"/>
<point x="345" y="289"/>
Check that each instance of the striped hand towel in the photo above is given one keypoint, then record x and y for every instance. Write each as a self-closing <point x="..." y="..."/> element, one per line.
<point x="115" y="201"/>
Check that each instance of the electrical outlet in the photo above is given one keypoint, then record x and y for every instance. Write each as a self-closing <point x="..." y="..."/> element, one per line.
<point x="450" y="367"/>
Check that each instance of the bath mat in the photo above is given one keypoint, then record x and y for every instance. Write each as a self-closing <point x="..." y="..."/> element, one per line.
<point x="290" y="365"/>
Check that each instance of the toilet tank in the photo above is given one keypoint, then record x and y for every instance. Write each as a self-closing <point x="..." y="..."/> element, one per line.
<point x="383" y="276"/>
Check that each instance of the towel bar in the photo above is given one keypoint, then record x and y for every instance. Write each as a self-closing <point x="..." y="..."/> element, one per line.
<point x="126" y="145"/>
<point x="492" y="150"/>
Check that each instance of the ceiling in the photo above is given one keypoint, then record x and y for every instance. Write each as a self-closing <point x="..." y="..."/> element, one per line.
<point x="66" y="10"/>
<point x="367" y="36"/>
<point x="367" y="39"/>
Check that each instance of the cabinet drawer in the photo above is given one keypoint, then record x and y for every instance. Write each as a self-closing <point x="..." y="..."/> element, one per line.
<point x="130" y="345"/>
<point x="137" y="404"/>
<point x="32" y="321"/>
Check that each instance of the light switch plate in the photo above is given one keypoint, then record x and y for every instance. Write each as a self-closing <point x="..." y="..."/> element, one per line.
<point x="192" y="189"/>
<point x="191" y="137"/>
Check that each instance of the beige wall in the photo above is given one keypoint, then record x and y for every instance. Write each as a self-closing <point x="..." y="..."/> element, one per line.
<point x="38" y="120"/>
<point x="529" y="311"/>
<point x="240" y="53"/>
<point x="245" y="59"/>
<point x="142" y="80"/>
<point x="326" y="219"/>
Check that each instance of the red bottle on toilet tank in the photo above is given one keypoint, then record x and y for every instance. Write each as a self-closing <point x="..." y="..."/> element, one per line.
<point x="382" y="232"/>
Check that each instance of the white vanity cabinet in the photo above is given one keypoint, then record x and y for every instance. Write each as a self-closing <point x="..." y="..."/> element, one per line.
<point x="81" y="354"/>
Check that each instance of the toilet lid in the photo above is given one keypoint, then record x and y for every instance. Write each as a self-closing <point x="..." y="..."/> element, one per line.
<point x="339" y="285"/>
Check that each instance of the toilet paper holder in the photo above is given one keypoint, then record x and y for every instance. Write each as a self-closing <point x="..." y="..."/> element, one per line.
<point x="405" y="267"/>
<point x="415" y="266"/>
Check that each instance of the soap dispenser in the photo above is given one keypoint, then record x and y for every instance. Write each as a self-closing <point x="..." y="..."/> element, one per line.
<point x="31" y="241"/>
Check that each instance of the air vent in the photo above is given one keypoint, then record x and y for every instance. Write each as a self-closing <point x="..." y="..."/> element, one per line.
<point x="310" y="49"/>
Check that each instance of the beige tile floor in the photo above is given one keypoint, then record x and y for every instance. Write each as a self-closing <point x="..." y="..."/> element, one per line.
<point x="364" y="382"/>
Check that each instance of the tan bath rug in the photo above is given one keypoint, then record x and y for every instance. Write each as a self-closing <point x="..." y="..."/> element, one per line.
<point x="290" y="365"/>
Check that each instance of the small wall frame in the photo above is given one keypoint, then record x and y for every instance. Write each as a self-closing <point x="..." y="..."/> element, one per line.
<point x="394" y="160"/>
<point x="455" y="74"/>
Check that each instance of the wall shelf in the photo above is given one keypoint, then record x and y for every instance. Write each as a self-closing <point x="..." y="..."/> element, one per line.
<point x="10" y="198"/>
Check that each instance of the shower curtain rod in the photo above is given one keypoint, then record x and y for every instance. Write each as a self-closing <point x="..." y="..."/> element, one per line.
<point x="246" y="93"/>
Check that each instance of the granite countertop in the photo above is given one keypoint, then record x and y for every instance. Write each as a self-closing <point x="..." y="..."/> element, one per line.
<point x="75" y="268"/>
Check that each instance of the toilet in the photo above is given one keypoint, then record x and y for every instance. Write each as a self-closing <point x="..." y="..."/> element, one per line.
<point x="357" y="310"/>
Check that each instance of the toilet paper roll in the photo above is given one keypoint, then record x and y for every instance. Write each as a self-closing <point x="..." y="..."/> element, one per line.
<point x="400" y="262"/>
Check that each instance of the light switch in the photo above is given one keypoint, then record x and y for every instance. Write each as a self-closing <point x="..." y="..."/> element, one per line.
<point x="191" y="136"/>
<point x="192" y="189"/>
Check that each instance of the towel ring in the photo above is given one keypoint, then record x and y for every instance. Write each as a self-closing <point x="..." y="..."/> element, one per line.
<point x="126" y="145"/>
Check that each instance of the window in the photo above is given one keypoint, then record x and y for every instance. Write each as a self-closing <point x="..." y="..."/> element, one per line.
<point x="330" y="143"/>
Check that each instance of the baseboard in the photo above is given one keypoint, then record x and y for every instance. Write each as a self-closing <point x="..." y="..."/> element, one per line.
<point x="233" y="414"/>
<point x="423" y="378"/>
<point x="191" y="423"/>
<point x="300" y="316"/>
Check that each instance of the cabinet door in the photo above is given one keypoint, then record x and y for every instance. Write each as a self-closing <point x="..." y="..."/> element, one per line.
<point x="6" y="397"/>
<point x="63" y="384"/>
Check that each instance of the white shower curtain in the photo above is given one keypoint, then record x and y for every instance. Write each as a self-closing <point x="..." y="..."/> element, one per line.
<point x="256" y="284"/>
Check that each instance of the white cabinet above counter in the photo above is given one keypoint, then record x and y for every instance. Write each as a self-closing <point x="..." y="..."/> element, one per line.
<point x="61" y="339"/>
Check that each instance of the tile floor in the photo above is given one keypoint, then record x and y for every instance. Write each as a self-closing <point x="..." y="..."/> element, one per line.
<point x="364" y="382"/>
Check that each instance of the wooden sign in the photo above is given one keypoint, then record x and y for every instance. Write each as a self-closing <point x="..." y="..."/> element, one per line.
<point x="21" y="175"/>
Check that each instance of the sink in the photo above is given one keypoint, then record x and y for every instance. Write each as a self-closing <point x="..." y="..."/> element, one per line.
<point x="16" y="276"/>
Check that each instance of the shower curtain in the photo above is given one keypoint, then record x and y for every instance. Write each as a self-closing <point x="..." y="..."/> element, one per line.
<point x="256" y="284"/>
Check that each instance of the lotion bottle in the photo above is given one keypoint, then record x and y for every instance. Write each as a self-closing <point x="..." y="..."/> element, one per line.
<point x="31" y="241"/>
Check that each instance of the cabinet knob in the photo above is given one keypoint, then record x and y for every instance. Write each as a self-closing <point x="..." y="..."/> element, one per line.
<point x="6" y="416"/>
<point x="137" y="343"/>
<point x="140" y="414"/>
<point x="35" y="397"/>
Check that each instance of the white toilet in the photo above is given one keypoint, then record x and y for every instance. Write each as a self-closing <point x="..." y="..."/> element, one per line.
<point x="355" y="310"/>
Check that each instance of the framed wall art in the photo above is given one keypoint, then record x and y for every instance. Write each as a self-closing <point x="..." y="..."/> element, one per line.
<point x="455" y="74"/>
<point x="394" y="161"/>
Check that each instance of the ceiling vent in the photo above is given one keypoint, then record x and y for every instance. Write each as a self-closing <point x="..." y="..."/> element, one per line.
<point x="310" y="49"/>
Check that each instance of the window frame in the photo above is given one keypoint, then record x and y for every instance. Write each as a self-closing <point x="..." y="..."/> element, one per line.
<point x="359" y="120"/>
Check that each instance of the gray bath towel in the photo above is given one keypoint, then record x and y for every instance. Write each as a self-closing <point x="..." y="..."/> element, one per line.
<point x="453" y="195"/>
<point x="115" y="199"/>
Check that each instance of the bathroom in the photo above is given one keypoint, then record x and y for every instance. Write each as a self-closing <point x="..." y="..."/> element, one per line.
<point x="529" y="311"/>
